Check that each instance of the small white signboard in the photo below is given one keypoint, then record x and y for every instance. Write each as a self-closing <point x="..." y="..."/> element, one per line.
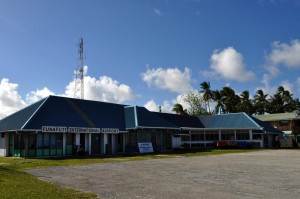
<point x="83" y="130"/>
<point x="110" y="130"/>
<point x="145" y="147"/>
<point x="54" y="129"/>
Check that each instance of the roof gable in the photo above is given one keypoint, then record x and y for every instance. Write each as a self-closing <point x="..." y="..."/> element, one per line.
<point x="19" y="119"/>
<point x="61" y="111"/>
<point x="141" y="117"/>
<point x="229" y="121"/>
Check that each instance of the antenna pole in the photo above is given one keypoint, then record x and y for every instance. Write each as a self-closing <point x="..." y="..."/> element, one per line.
<point x="79" y="73"/>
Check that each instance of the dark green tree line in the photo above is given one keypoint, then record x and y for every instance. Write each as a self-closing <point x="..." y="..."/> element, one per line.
<point x="227" y="101"/>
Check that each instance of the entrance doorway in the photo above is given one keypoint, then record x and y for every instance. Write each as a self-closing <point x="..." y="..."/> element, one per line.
<point x="70" y="142"/>
<point x="96" y="144"/>
<point x="82" y="140"/>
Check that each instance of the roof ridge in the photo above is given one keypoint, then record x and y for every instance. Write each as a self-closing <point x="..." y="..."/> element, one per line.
<point x="251" y="119"/>
<point x="45" y="99"/>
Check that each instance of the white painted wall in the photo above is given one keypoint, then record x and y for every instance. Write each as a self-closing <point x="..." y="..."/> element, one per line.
<point x="3" y="145"/>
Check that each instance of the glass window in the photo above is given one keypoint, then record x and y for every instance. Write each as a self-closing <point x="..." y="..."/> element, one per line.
<point x="284" y="123"/>
<point x="242" y="135"/>
<point x="46" y="140"/>
<point x="59" y="140"/>
<point x="297" y="123"/>
<point x="211" y="135"/>
<point x="69" y="139"/>
<point x="256" y="136"/>
<point x="39" y="141"/>
<point x="144" y="136"/>
<point x="185" y="138"/>
<point x="19" y="141"/>
<point x="52" y="141"/>
<point x="197" y="137"/>
<point x="227" y="135"/>
<point x="31" y="141"/>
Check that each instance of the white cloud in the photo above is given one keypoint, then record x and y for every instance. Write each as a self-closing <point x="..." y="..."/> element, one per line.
<point x="228" y="63"/>
<point x="287" y="86"/>
<point x="171" y="79"/>
<point x="285" y="54"/>
<point x="151" y="105"/>
<point x="10" y="99"/>
<point x="103" y="89"/>
<point x="37" y="95"/>
<point x="167" y="105"/>
<point x="282" y="54"/>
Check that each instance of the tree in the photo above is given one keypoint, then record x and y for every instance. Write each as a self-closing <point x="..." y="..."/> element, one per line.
<point x="282" y="101"/>
<point x="230" y="99"/>
<point x="217" y="97"/>
<point x="246" y="104"/>
<point x="178" y="109"/>
<point x="196" y="103"/>
<point x="260" y="102"/>
<point x="289" y="102"/>
<point x="207" y="93"/>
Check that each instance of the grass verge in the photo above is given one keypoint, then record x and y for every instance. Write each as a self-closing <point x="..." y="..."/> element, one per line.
<point x="15" y="183"/>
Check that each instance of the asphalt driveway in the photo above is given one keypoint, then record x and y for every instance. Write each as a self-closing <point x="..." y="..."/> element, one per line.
<point x="263" y="174"/>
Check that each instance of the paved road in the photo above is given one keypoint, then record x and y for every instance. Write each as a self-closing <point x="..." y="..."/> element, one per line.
<point x="264" y="174"/>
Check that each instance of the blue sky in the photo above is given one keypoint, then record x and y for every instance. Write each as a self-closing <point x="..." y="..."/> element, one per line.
<point x="146" y="53"/>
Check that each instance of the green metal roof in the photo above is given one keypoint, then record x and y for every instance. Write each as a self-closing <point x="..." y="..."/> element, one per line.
<point x="278" y="117"/>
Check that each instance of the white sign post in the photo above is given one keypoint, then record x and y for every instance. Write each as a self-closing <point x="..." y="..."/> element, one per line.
<point x="145" y="147"/>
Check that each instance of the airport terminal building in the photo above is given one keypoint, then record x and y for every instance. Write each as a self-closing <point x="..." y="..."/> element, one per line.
<point x="55" y="126"/>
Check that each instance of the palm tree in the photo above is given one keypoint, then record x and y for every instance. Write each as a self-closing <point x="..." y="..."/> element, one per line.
<point x="289" y="102"/>
<point x="230" y="99"/>
<point x="207" y="93"/>
<point x="260" y="102"/>
<point x="217" y="97"/>
<point x="246" y="104"/>
<point x="178" y="109"/>
<point x="282" y="101"/>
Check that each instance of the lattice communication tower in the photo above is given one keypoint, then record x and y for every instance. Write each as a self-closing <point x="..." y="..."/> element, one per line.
<point x="79" y="73"/>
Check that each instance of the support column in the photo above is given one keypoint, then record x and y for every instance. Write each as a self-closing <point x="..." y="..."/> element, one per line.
<point x="104" y="143"/>
<point x="250" y="135"/>
<point x="190" y="139"/>
<point x="77" y="139"/>
<point x="124" y="140"/>
<point x="90" y="143"/>
<point x="64" y="143"/>
<point x="113" y="143"/>
<point x="234" y="134"/>
<point x="220" y="136"/>
<point x="204" y="139"/>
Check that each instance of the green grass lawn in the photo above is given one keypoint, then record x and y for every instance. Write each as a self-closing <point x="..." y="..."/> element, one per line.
<point x="15" y="183"/>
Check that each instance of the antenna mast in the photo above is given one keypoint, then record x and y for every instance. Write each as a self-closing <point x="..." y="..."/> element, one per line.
<point x="79" y="73"/>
